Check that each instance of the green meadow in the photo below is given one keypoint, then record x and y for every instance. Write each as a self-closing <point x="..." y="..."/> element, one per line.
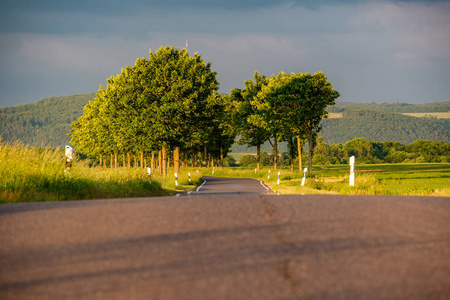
<point x="430" y="179"/>
<point x="35" y="174"/>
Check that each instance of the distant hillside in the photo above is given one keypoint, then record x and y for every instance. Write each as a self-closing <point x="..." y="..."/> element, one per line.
<point x="44" y="123"/>
<point x="47" y="122"/>
<point x="382" y="126"/>
<point x="398" y="107"/>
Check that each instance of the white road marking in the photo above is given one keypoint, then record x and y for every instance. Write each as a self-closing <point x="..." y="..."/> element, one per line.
<point x="264" y="185"/>
<point x="200" y="186"/>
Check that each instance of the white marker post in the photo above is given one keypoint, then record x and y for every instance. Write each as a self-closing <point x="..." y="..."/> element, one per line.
<point x="352" y="171"/>
<point x="69" y="156"/>
<point x="278" y="181"/>
<point x="213" y="170"/>
<point x="189" y="174"/>
<point x="255" y="171"/>
<point x="149" y="173"/>
<point x="304" y="176"/>
<point x="176" y="179"/>
<point x="268" y="175"/>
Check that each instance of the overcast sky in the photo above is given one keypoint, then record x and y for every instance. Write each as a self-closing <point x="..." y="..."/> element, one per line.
<point x="382" y="51"/>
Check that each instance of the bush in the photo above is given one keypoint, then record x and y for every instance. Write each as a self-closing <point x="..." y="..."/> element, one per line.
<point x="229" y="161"/>
<point x="247" y="160"/>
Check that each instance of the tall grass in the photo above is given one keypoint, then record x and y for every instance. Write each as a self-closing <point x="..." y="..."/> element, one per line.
<point x="35" y="174"/>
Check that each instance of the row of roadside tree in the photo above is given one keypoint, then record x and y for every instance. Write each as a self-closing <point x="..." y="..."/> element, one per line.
<point x="169" y="105"/>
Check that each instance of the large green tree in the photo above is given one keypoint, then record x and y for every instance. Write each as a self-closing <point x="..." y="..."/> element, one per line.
<point x="295" y="105"/>
<point x="246" y="115"/>
<point x="160" y="102"/>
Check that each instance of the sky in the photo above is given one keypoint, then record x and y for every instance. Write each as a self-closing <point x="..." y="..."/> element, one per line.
<point x="370" y="51"/>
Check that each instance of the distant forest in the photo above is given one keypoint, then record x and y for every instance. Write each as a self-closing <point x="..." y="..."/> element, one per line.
<point x="44" y="123"/>
<point x="397" y="107"/>
<point x="47" y="122"/>
<point x="383" y="126"/>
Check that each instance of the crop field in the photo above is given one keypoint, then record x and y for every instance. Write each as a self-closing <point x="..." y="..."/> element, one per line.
<point x="334" y="115"/>
<point x="438" y="115"/>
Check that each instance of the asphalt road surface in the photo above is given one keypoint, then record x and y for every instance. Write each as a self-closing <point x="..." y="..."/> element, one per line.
<point x="229" y="240"/>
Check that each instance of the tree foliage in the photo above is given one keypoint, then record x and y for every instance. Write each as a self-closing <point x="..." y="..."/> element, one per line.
<point x="168" y="101"/>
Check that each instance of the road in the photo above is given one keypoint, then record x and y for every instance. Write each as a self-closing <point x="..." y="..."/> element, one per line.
<point x="229" y="240"/>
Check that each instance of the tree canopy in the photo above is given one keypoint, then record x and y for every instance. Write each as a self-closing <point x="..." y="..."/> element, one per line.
<point x="159" y="103"/>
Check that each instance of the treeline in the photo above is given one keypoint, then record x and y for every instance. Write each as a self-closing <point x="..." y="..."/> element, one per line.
<point x="386" y="152"/>
<point x="382" y="126"/>
<point x="398" y="107"/>
<point x="44" y="123"/>
<point x="365" y="151"/>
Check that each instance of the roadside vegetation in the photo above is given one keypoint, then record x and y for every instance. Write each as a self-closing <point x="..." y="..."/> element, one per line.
<point x="31" y="174"/>
<point x="430" y="179"/>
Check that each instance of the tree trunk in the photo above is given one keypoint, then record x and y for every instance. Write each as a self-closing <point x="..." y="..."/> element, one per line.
<point x="275" y="153"/>
<point x="164" y="162"/>
<point x="135" y="161"/>
<point x="116" y="159"/>
<point x="152" y="162"/>
<point x="129" y="160"/>
<point x="160" y="162"/>
<point x="142" y="159"/>
<point x="104" y="163"/>
<point x="194" y="162"/>
<point x="124" y="161"/>
<point x="310" y="152"/>
<point x="176" y="160"/>
<point x="258" y="157"/>
<point x="112" y="161"/>
<point x="205" y="156"/>
<point x="299" y="146"/>
<point x="221" y="158"/>
<point x="101" y="160"/>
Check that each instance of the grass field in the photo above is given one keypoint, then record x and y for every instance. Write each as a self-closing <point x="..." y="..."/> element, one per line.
<point x="334" y="115"/>
<point x="439" y="115"/>
<point x="35" y="174"/>
<point x="380" y="179"/>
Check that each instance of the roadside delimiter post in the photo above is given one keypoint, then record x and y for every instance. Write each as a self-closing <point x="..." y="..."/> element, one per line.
<point x="304" y="176"/>
<point x="69" y="156"/>
<point x="352" y="171"/>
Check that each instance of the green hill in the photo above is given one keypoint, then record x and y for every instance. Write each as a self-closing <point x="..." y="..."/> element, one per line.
<point x="398" y="107"/>
<point x="44" y="123"/>
<point x="380" y="126"/>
